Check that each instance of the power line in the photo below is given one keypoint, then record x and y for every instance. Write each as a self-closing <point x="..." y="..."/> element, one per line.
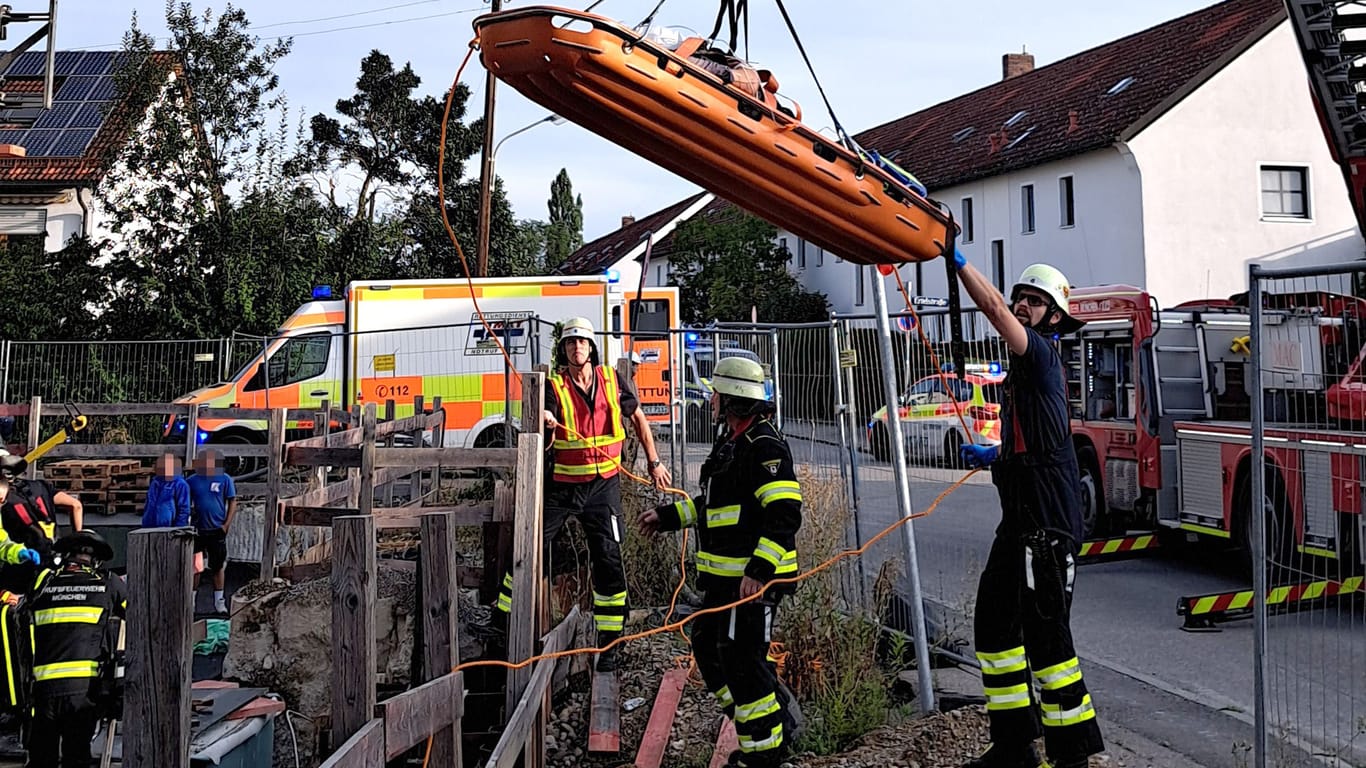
<point x="345" y="15"/>
<point x="318" y="31"/>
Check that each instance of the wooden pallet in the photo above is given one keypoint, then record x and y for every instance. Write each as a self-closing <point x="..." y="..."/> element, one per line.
<point x="83" y="468"/>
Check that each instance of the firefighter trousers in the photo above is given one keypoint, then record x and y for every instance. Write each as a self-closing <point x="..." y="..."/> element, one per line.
<point x="61" y="731"/>
<point x="597" y="504"/>
<point x="1022" y="633"/>
<point x="731" y="649"/>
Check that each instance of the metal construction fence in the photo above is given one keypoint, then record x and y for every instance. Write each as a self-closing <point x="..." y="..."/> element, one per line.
<point x="1309" y="541"/>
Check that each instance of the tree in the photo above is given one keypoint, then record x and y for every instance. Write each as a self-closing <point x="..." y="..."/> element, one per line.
<point x="50" y="296"/>
<point x="729" y="264"/>
<point x="564" y="231"/>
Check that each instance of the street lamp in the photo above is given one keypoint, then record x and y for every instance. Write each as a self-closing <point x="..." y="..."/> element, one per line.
<point x="486" y="193"/>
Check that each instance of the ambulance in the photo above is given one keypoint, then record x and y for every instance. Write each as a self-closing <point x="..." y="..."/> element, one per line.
<point x="395" y="340"/>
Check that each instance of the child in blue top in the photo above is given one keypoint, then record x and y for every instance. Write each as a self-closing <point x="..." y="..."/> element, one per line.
<point x="168" y="497"/>
<point x="214" y="498"/>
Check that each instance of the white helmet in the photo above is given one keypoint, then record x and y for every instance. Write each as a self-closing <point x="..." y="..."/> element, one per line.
<point x="1053" y="283"/>
<point x="576" y="328"/>
<point x="739" y="377"/>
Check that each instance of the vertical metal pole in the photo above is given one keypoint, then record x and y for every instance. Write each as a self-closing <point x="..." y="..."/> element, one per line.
<point x="486" y="175"/>
<point x="846" y="450"/>
<point x="903" y="493"/>
<point x="4" y="386"/>
<point x="51" y="56"/>
<point x="1258" y="512"/>
<point x="777" y="375"/>
<point x="674" y="408"/>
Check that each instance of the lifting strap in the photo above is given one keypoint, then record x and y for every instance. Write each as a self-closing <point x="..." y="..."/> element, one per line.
<point x="839" y="129"/>
<point x="734" y="12"/>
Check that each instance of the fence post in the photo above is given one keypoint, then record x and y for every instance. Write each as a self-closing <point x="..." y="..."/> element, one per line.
<point x="848" y="447"/>
<point x="438" y="441"/>
<point x="353" y="473"/>
<point x="890" y="394"/>
<point x="191" y="433"/>
<point x="366" y="498"/>
<point x="533" y="403"/>
<point x="160" y="612"/>
<point x="415" y="492"/>
<point x="353" y="624"/>
<point x="5" y="353"/>
<point x="777" y="371"/>
<point x="390" y="413"/>
<point x="270" y="512"/>
<point x="526" y="560"/>
<point x="1258" y="513"/>
<point x="441" y="641"/>
<point x="35" y="432"/>
<point x="322" y="423"/>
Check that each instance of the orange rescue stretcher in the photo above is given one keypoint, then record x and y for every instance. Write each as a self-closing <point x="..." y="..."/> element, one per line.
<point x="725" y="131"/>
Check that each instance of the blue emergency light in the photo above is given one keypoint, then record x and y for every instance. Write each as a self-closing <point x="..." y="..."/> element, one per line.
<point x="203" y="436"/>
<point x="690" y="339"/>
<point x="322" y="292"/>
<point x="613" y="276"/>
<point x="994" y="367"/>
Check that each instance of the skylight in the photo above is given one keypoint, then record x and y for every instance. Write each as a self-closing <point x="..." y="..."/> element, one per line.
<point x="963" y="134"/>
<point x="1120" y="86"/>
<point x="1015" y="118"/>
<point x="1021" y="137"/>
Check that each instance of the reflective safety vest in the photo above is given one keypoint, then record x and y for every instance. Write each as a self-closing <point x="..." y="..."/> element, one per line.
<point x="72" y="646"/>
<point x="588" y="441"/>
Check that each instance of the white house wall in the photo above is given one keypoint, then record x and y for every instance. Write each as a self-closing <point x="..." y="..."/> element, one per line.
<point x="1200" y="163"/>
<point x="1105" y="245"/>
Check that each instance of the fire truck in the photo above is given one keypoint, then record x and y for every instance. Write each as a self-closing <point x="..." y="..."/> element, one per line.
<point x="1160" y="402"/>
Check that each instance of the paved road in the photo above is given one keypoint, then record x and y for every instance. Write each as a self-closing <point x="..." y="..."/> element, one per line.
<point x="1193" y="692"/>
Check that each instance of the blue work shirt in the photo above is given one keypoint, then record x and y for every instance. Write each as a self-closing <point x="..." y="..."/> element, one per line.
<point x="168" y="503"/>
<point x="210" y="495"/>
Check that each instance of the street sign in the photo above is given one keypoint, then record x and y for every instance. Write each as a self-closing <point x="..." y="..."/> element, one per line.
<point x="848" y="358"/>
<point x="906" y="323"/>
<point x="384" y="363"/>
<point x="929" y="301"/>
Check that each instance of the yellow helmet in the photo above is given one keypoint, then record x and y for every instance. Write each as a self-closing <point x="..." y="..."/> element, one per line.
<point x="739" y="377"/>
<point x="1053" y="283"/>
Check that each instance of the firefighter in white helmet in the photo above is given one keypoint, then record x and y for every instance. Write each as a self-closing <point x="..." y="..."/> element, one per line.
<point x="1024" y="598"/>
<point x="587" y="404"/>
<point x="747" y="518"/>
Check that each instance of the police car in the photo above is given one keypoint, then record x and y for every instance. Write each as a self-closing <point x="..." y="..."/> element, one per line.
<point x="929" y="416"/>
<point x="700" y="359"/>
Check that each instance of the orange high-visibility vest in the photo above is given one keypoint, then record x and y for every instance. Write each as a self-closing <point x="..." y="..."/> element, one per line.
<point x="593" y="448"/>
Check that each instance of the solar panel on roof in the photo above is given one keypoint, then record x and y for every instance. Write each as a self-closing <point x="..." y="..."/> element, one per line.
<point x="65" y="62"/>
<point x="75" y="89"/>
<point x="72" y="143"/>
<point x="30" y="63"/>
<point x="40" y="143"/>
<point x="94" y="63"/>
<point x="58" y="116"/>
<point x="91" y="115"/>
<point x="12" y="136"/>
<point x="105" y="89"/>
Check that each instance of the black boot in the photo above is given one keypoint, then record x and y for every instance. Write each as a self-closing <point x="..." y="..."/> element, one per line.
<point x="1006" y="756"/>
<point x="610" y="659"/>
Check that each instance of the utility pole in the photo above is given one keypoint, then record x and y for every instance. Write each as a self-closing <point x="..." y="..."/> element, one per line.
<point x="48" y="30"/>
<point x="486" y="174"/>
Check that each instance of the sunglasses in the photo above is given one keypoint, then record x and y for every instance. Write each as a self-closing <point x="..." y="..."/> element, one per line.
<point x="1033" y="300"/>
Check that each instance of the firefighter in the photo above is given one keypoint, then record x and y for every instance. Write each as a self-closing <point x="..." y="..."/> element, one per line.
<point x="30" y="515"/>
<point x="1024" y="597"/>
<point x="73" y="650"/>
<point x="747" y="518"/>
<point x="587" y="404"/>
<point x="24" y="542"/>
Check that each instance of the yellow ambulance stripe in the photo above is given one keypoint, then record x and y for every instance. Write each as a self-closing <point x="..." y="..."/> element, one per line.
<point x="511" y="291"/>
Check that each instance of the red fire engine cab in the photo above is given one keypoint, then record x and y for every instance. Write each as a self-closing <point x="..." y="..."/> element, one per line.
<point x="1160" y="402"/>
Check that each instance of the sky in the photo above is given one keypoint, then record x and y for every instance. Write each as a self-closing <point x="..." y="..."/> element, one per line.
<point x="878" y="60"/>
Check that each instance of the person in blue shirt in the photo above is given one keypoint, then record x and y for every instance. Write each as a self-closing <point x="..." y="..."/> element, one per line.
<point x="168" y="496"/>
<point x="214" y="499"/>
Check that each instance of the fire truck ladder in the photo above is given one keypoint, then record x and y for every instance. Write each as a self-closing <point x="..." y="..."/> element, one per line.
<point x="1182" y="373"/>
<point x="1203" y="612"/>
<point x="1097" y="550"/>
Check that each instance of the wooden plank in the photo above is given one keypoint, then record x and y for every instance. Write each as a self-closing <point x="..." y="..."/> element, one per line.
<point x="604" y="714"/>
<point x="406" y="424"/>
<point x="353" y="624"/>
<point x="340" y="439"/>
<point x="191" y="436"/>
<point x="134" y="409"/>
<point x="353" y="471"/>
<point x="511" y="744"/>
<point x="388" y="443"/>
<point x="365" y="748"/>
<point x="656" y="738"/>
<point x="321" y="497"/>
<point x="367" y="461"/>
<point x="157" y="702"/>
<point x="415" y="458"/>
<point x="414" y="715"/>
<point x="275" y="436"/>
<point x="726" y="743"/>
<point x="526" y="563"/>
<point x="465" y="514"/>
<point x="417" y="493"/>
<point x="145" y="451"/>
<point x="440" y="623"/>
<point x="255" y="414"/>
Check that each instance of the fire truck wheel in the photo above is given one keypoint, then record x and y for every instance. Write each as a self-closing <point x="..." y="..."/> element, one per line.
<point x="1282" y="559"/>
<point x="1093" y="520"/>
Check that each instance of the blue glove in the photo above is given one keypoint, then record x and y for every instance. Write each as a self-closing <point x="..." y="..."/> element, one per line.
<point x="976" y="456"/>
<point x="959" y="260"/>
<point x="30" y="556"/>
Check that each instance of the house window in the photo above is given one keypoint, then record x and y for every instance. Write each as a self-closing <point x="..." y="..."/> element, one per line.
<point x="820" y="256"/>
<point x="859" y="288"/>
<point x="1285" y="192"/>
<point x="967" y="220"/>
<point x="1027" y="209"/>
<point x="659" y="274"/>
<point x="998" y="264"/>
<point x="1067" y="215"/>
<point x="801" y="253"/>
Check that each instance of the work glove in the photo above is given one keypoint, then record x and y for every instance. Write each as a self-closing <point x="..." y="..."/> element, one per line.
<point x="959" y="260"/>
<point x="977" y="456"/>
<point x="30" y="557"/>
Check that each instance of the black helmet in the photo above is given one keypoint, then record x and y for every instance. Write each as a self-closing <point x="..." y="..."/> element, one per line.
<point x="13" y="464"/>
<point x="86" y="542"/>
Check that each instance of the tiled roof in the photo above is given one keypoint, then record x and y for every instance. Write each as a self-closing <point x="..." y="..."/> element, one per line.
<point x="68" y="143"/>
<point x="1076" y="105"/>
<point x="598" y="256"/>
